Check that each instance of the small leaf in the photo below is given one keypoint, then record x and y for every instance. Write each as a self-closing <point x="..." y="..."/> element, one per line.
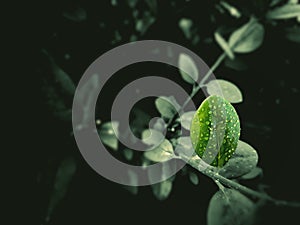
<point x="184" y="146"/>
<point x="88" y="93"/>
<point x="232" y="10"/>
<point x="62" y="181"/>
<point x="257" y="171"/>
<point x="152" y="137"/>
<point x="247" y="38"/>
<point x="215" y="131"/>
<point x="167" y="106"/>
<point x="162" y="153"/>
<point x="193" y="178"/>
<point x="107" y="134"/>
<point x="188" y="68"/>
<point x="152" y="5"/>
<point x="128" y="154"/>
<point x="243" y="161"/>
<point x="162" y="190"/>
<point x="224" y="45"/>
<point x="225" y="89"/>
<point x="186" y="25"/>
<point x="230" y="208"/>
<point x="236" y="64"/>
<point x="133" y="179"/>
<point x="186" y="119"/>
<point x="293" y="34"/>
<point x="284" y="12"/>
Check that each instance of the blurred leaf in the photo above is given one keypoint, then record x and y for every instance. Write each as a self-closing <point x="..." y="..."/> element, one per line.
<point x="186" y="25"/>
<point x="133" y="179"/>
<point x="162" y="153"/>
<point x="62" y="182"/>
<point x="162" y="190"/>
<point x="215" y="131"/>
<point x="159" y="125"/>
<point x="257" y="171"/>
<point x="57" y="104"/>
<point x="243" y="161"/>
<point x="167" y="106"/>
<point x="186" y="119"/>
<point x="193" y="178"/>
<point x="152" y="137"/>
<point x="275" y="2"/>
<point x="225" y="89"/>
<point x="284" y="12"/>
<point x="224" y="45"/>
<point x="139" y="122"/>
<point x="107" y="134"/>
<point x="128" y="154"/>
<point x="75" y="14"/>
<point x="293" y="34"/>
<point x="230" y="208"/>
<point x="60" y="76"/>
<point x="59" y="90"/>
<point x="88" y="93"/>
<point x="152" y="5"/>
<point x="188" y="68"/>
<point x="236" y="64"/>
<point x="247" y="38"/>
<point x="132" y="3"/>
<point x="232" y="10"/>
<point x="144" y="23"/>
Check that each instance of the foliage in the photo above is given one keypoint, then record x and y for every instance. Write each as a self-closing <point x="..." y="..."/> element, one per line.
<point x="214" y="128"/>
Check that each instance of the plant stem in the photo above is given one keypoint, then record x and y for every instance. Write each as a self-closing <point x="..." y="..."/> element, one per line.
<point x="200" y="85"/>
<point x="211" y="172"/>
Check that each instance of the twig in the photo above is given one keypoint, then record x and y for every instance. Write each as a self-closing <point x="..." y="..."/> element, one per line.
<point x="211" y="172"/>
<point x="199" y="86"/>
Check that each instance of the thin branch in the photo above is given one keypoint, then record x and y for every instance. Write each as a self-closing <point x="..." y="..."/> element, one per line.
<point x="200" y="85"/>
<point x="211" y="172"/>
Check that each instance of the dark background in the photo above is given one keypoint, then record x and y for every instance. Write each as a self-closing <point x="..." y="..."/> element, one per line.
<point x="269" y="113"/>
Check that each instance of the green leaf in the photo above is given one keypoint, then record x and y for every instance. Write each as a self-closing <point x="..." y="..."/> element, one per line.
<point x="186" y="25"/>
<point x="152" y="137"/>
<point x="186" y="119"/>
<point x="62" y="182"/>
<point x="107" y="134"/>
<point x="88" y="92"/>
<point x="193" y="178"/>
<point x="230" y="208"/>
<point x="225" y="89"/>
<point x="243" y="161"/>
<point x="247" y="38"/>
<point x="215" y="131"/>
<point x="232" y="10"/>
<point x="293" y="34"/>
<point x="257" y="171"/>
<point x="133" y="180"/>
<point x="152" y="5"/>
<point x="167" y="106"/>
<point x="162" y="153"/>
<point x="60" y="76"/>
<point x="236" y="64"/>
<point x="162" y="190"/>
<point x="128" y="154"/>
<point x="224" y="45"/>
<point x="188" y="68"/>
<point x="284" y="12"/>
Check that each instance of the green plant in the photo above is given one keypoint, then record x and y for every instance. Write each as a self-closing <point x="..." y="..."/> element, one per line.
<point x="236" y="160"/>
<point x="215" y="130"/>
